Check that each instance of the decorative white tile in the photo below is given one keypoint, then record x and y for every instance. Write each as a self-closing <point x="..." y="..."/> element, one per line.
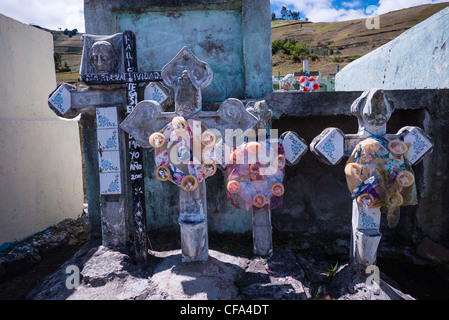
<point x="365" y="218"/>
<point x="60" y="99"/>
<point x="294" y="147"/>
<point x="109" y="161"/>
<point x="110" y="183"/>
<point x="108" y="139"/>
<point x="107" y="118"/>
<point x="418" y="144"/>
<point x="331" y="146"/>
<point x="154" y="91"/>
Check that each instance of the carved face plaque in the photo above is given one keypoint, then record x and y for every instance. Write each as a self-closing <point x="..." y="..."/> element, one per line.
<point x="102" y="54"/>
<point x="103" y="57"/>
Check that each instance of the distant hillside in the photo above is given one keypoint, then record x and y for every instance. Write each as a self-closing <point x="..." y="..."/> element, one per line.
<point x="70" y="49"/>
<point x="347" y="39"/>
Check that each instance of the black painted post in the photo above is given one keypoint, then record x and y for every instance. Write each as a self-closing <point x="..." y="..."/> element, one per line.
<point x="135" y="153"/>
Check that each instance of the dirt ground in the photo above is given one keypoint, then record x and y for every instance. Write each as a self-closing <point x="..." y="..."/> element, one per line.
<point x="423" y="282"/>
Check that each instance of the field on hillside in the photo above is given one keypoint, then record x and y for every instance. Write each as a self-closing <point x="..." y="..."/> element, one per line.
<point x="70" y="49"/>
<point x="346" y="38"/>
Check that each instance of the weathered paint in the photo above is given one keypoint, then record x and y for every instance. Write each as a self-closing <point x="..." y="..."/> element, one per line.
<point x="211" y="35"/>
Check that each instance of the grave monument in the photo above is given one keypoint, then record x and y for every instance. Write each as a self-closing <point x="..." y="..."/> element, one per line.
<point x="109" y="65"/>
<point x="378" y="172"/>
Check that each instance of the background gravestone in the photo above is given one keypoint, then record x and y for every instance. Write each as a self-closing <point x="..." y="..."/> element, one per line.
<point x="233" y="36"/>
<point x="40" y="158"/>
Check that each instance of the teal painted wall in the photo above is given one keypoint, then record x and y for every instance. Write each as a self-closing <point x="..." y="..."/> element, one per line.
<point x="213" y="36"/>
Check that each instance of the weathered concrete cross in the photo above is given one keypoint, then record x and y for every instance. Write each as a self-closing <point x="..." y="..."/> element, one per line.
<point x="367" y="180"/>
<point x="107" y="63"/>
<point x="187" y="75"/>
<point x="294" y="148"/>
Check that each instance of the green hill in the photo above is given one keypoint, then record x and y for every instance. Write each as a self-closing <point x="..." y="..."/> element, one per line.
<point x="346" y="40"/>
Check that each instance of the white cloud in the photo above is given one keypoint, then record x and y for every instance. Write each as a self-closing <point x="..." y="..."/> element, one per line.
<point x="351" y="4"/>
<point x="392" y="5"/>
<point x="321" y="10"/>
<point x="324" y="11"/>
<point x="48" y="14"/>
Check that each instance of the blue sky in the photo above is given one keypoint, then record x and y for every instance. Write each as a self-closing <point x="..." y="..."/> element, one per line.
<point x="54" y="14"/>
<point x="339" y="10"/>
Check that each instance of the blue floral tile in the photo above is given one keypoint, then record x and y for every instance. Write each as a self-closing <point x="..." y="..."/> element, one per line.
<point x="294" y="147"/>
<point x="331" y="146"/>
<point x="107" y="140"/>
<point x="155" y="91"/>
<point x="110" y="183"/>
<point x="418" y="144"/>
<point x="366" y="218"/>
<point x="107" y="118"/>
<point x="109" y="161"/>
<point x="60" y="99"/>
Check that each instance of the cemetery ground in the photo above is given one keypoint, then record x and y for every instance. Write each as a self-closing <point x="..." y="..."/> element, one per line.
<point x="314" y="261"/>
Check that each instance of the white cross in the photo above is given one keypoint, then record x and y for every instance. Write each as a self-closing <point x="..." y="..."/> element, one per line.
<point x="372" y="109"/>
<point x="188" y="76"/>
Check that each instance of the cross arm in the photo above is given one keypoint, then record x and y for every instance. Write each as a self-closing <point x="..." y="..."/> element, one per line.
<point x="67" y="101"/>
<point x="332" y="145"/>
<point x="148" y="118"/>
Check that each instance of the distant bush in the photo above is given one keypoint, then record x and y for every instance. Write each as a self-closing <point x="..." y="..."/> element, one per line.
<point x="340" y="59"/>
<point x="337" y="59"/>
<point x="290" y="47"/>
<point x="276" y="45"/>
<point x="57" y="57"/>
<point x="352" y="58"/>
<point x="300" y="51"/>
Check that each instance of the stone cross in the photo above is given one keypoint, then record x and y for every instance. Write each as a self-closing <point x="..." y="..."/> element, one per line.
<point x="294" y="148"/>
<point x="409" y="145"/>
<point x="108" y="62"/>
<point x="187" y="75"/>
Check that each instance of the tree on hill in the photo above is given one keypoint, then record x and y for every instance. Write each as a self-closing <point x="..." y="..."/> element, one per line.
<point x="286" y="13"/>
<point x="295" y="15"/>
<point x="70" y="33"/>
<point x="57" y="58"/>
